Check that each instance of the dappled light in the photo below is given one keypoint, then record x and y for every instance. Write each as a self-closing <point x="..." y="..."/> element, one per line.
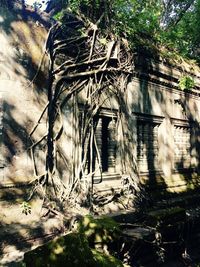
<point x="90" y="124"/>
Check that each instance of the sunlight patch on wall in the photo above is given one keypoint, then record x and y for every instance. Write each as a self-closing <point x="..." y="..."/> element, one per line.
<point x="42" y="3"/>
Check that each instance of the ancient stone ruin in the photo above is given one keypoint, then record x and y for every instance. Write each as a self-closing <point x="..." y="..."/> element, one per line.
<point x="149" y="140"/>
<point x="163" y="119"/>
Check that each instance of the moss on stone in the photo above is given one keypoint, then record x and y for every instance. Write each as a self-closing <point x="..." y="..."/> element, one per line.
<point x="73" y="250"/>
<point x="102" y="260"/>
<point x="99" y="230"/>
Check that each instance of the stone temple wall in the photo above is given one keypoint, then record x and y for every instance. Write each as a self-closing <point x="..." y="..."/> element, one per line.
<point x="164" y="120"/>
<point x="21" y="100"/>
<point x="163" y="136"/>
<point x="166" y="124"/>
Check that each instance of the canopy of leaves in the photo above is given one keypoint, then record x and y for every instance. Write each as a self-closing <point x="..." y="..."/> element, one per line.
<point x="172" y="23"/>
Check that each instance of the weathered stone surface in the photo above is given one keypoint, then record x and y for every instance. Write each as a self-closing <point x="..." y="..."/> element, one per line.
<point x="166" y="216"/>
<point x="164" y="123"/>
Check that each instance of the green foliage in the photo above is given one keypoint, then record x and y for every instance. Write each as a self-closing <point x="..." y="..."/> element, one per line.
<point x="186" y="83"/>
<point x="58" y="16"/>
<point x="101" y="230"/>
<point x="75" y="5"/>
<point x="123" y="17"/>
<point x="26" y="208"/>
<point x="171" y="23"/>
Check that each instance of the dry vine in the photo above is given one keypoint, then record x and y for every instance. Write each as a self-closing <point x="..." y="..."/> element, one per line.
<point x="83" y="60"/>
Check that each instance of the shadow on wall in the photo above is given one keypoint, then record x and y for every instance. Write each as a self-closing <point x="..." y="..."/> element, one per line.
<point x="147" y="126"/>
<point x="21" y="51"/>
<point x="156" y="150"/>
<point x="22" y="36"/>
<point x="22" y="45"/>
<point x="191" y="110"/>
<point x="26" y="36"/>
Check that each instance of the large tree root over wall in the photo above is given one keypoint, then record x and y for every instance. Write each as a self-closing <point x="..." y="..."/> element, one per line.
<point x="86" y="64"/>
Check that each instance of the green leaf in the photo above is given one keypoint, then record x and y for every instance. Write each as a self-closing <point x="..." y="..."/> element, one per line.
<point x="26" y="208"/>
<point x="186" y="83"/>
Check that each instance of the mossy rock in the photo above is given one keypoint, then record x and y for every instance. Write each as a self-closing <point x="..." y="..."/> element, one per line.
<point x="71" y="250"/>
<point x="99" y="230"/>
<point x="102" y="260"/>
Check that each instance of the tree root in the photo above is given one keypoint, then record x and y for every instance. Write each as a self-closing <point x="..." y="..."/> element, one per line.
<point x="102" y="68"/>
